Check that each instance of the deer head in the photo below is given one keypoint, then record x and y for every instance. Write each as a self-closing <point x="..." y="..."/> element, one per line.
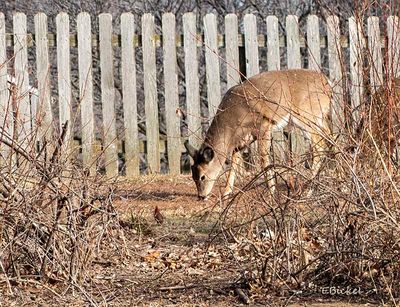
<point x="205" y="169"/>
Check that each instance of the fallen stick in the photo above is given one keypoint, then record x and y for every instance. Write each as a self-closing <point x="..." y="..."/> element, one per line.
<point x="183" y="287"/>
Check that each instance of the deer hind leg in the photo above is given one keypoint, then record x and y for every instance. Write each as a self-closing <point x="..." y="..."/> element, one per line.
<point x="265" y="151"/>
<point x="319" y="148"/>
<point x="235" y="166"/>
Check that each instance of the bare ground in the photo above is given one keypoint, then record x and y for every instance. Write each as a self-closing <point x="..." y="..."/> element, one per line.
<point x="178" y="262"/>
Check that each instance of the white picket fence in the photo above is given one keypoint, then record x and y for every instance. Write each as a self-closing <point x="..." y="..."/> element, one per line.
<point x="169" y="41"/>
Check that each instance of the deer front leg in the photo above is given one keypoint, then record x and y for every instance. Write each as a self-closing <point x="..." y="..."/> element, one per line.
<point x="235" y="164"/>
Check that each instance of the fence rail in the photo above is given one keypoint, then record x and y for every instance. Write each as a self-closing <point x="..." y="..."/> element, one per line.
<point x="116" y="41"/>
<point x="36" y="112"/>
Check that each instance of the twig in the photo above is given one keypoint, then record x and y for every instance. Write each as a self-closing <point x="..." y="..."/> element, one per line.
<point x="6" y="278"/>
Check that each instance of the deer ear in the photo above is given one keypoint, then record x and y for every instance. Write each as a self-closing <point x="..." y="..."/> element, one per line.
<point x="190" y="149"/>
<point x="208" y="154"/>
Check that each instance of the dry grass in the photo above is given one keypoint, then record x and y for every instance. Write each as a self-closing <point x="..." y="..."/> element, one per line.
<point x="338" y="231"/>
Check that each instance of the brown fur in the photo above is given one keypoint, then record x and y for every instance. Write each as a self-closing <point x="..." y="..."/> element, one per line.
<point x="384" y="117"/>
<point x="249" y="110"/>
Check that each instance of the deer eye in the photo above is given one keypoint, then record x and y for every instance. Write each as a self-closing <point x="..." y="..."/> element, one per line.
<point x="203" y="177"/>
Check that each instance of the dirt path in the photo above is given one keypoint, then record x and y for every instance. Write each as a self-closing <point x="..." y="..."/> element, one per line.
<point x="176" y="262"/>
<point x="179" y="261"/>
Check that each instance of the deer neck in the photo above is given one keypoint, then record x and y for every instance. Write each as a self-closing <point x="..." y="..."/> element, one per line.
<point x="221" y="140"/>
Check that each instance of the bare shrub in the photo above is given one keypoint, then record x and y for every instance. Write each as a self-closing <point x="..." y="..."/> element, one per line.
<point x="338" y="230"/>
<point x="55" y="217"/>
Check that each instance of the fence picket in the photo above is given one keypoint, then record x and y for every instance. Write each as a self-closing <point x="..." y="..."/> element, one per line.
<point x="251" y="53"/>
<point x="273" y="54"/>
<point x="108" y="95"/>
<point x="375" y="47"/>
<point x="23" y="119"/>
<point x="356" y="66"/>
<point x="293" y="42"/>
<point x="150" y="93"/>
<point x="129" y="97"/>
<point x="171" y="94"/>
<point x="313" y="43"/>
<point x="64" y="75"/>
<point x="212" y="64"/>
<point x="251" y="45"/>
<point x="6" y="122"/>
<point x="35" y="117"/>
<point x="44" y="116"/>
<point x="279" y="141"/>
<point x="192" y="79"/>
<point x="86" y="88"/>
<point x="335" y="72"/>
<point x="393" y="32"/>
<point x="232" y="50"/>
<point x="297" y="143"/>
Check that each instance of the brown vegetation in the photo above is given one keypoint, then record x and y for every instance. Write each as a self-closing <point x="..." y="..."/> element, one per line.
<point x="68" y="236"/>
